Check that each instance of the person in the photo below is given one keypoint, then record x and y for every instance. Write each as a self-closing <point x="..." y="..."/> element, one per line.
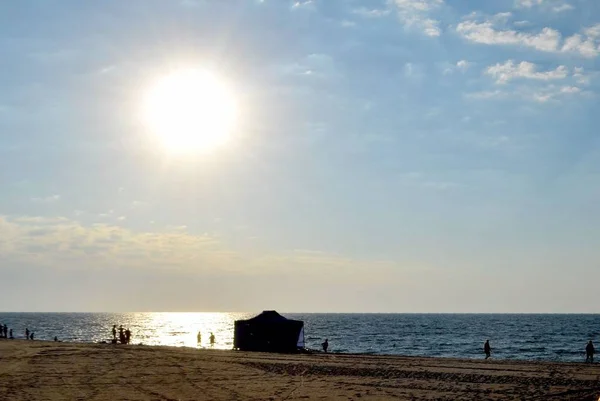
<point x="114" y="331"/>
<point x="589" y="352"/>
<point x="26" y="333"/>
<point x="127" y="336"/>
<point x="121" y="335"/>
<point x="10" y="334"/>
<point x="31" y="336"/>
<point x="487" y="349"/>
<point x="5" y="331"/>
<point x="55" y="339"/>
<point x="325" y="345"/>
<point x="212" y="339"/>
<point x="199" y="337"/>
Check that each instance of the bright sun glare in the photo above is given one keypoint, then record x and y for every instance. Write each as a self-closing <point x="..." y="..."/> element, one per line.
<point x="190" y="110"/>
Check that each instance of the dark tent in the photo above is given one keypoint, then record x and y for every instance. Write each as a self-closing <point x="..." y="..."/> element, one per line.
<point x="268" y="332"/>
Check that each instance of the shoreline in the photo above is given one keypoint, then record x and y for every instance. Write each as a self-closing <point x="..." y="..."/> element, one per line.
<point x="47" y="370"/>
<point x="315" y="352"/>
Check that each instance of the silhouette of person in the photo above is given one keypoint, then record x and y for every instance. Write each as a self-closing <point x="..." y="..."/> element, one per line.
<point x="127" y="336"/>
<point x="31" y="336"/>
<point x="114" y="331"/>
<point x="121" y="335"/>
<point x="212" y="339"/>
<point x="5" y="331"/>
<point x="589" y="352"/>
<point x="10" y="334"/>
<point x="487" y="349"/>
<point x="325" y="345"/>
<point x="55" y="339"/>
<point x="26" y="333"/>
<point x="199" y="337"/>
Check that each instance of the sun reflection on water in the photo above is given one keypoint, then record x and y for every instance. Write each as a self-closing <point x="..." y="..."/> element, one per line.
<point x="181" y="329"/>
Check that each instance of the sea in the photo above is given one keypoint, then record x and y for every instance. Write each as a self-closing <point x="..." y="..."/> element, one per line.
<point x="549" y="337"/>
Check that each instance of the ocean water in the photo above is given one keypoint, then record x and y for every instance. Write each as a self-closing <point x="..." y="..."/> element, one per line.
<point x="518" y="336"/>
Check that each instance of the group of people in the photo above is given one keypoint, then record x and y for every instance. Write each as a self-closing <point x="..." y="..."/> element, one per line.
<point x="589" y="351"/>
<point x="211" y="338"/>
<point x="124" y="335"/>
<point x="5" y="332"/>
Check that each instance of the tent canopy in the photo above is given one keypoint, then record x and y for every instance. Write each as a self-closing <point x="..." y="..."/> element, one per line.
<point x="268" y="332"/>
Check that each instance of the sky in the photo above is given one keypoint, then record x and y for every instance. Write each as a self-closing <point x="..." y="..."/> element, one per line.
<point x="387" y="156"/>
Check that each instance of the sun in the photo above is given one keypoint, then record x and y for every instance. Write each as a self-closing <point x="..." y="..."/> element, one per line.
<point x="190" y="110"/>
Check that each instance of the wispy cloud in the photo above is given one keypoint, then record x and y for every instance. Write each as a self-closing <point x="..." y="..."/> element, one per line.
<point x="556" y="6"/>
<point x="62" y="241"/>
<point x="46" y="199"/>
<point x="303" y="4"/>
<point x="544" y="94"/>
<point x="371" y="12"/>
<point x="510" y="70"/>
<point x="547" y="40"/>
<point x="416" y="14"/>
<point x="461" y="65"/>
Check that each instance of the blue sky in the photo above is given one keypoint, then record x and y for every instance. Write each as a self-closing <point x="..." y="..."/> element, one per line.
<point x="389" y="156"/>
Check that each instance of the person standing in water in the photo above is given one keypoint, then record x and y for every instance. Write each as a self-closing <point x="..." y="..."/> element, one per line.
<point x="199" y="338"/>
<point x="487" y="349"/>
<point x="212" y="339"/>
<point x="114" y="331"/>
<point x="10" y="334"/>
<point x="589" y="352"/>
<point x="325" y="345"/>
<point x="26" y="333"/>
<point x="127" y="336"/>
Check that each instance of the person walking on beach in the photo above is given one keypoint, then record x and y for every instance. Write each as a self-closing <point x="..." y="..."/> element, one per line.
<point x="5" y="331"/>
<point x="325" y="345"/>
<point x="589" y="352"/>
<point x="212" y="339"/>
<point x="31" y="336"/>
<point x="487" y="349"/>
<point x="26" y="333"/>
<point x="127" y="336"/>
<point x="10" y="334"/>
<point x="114" y="331"/>
<point x="121" y="335"/>
<point x="199" y="337"/>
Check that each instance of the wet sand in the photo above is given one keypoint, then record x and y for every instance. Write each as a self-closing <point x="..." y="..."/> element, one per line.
<point x="66" y="371"/>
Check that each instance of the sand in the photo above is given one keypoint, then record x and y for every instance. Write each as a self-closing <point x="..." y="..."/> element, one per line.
<point x="66" y="371"/>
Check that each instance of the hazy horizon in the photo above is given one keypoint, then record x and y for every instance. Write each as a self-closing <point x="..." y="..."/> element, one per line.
<point x="357" y="156"/>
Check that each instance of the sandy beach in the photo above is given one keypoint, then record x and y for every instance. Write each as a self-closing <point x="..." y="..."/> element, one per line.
<point x="67" y="371"/>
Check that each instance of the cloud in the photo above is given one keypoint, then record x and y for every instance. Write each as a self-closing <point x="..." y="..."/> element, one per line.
<point x="47" y="199"/>
<point x="510" y="70"/>
<point x="316" y="65"/>
<point x="580" y="76"/>
<point x="593" y="31"/>
<point x="63" y="243"/>
<point x="371" y="12"/>
<point x="556" y="6"/>
<point x="303" y="4"/>
<point x="461" y="65"/>
<point x="545" y="94"/>
<point x="415" y="14"/>
<point x="547" y="40"/>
